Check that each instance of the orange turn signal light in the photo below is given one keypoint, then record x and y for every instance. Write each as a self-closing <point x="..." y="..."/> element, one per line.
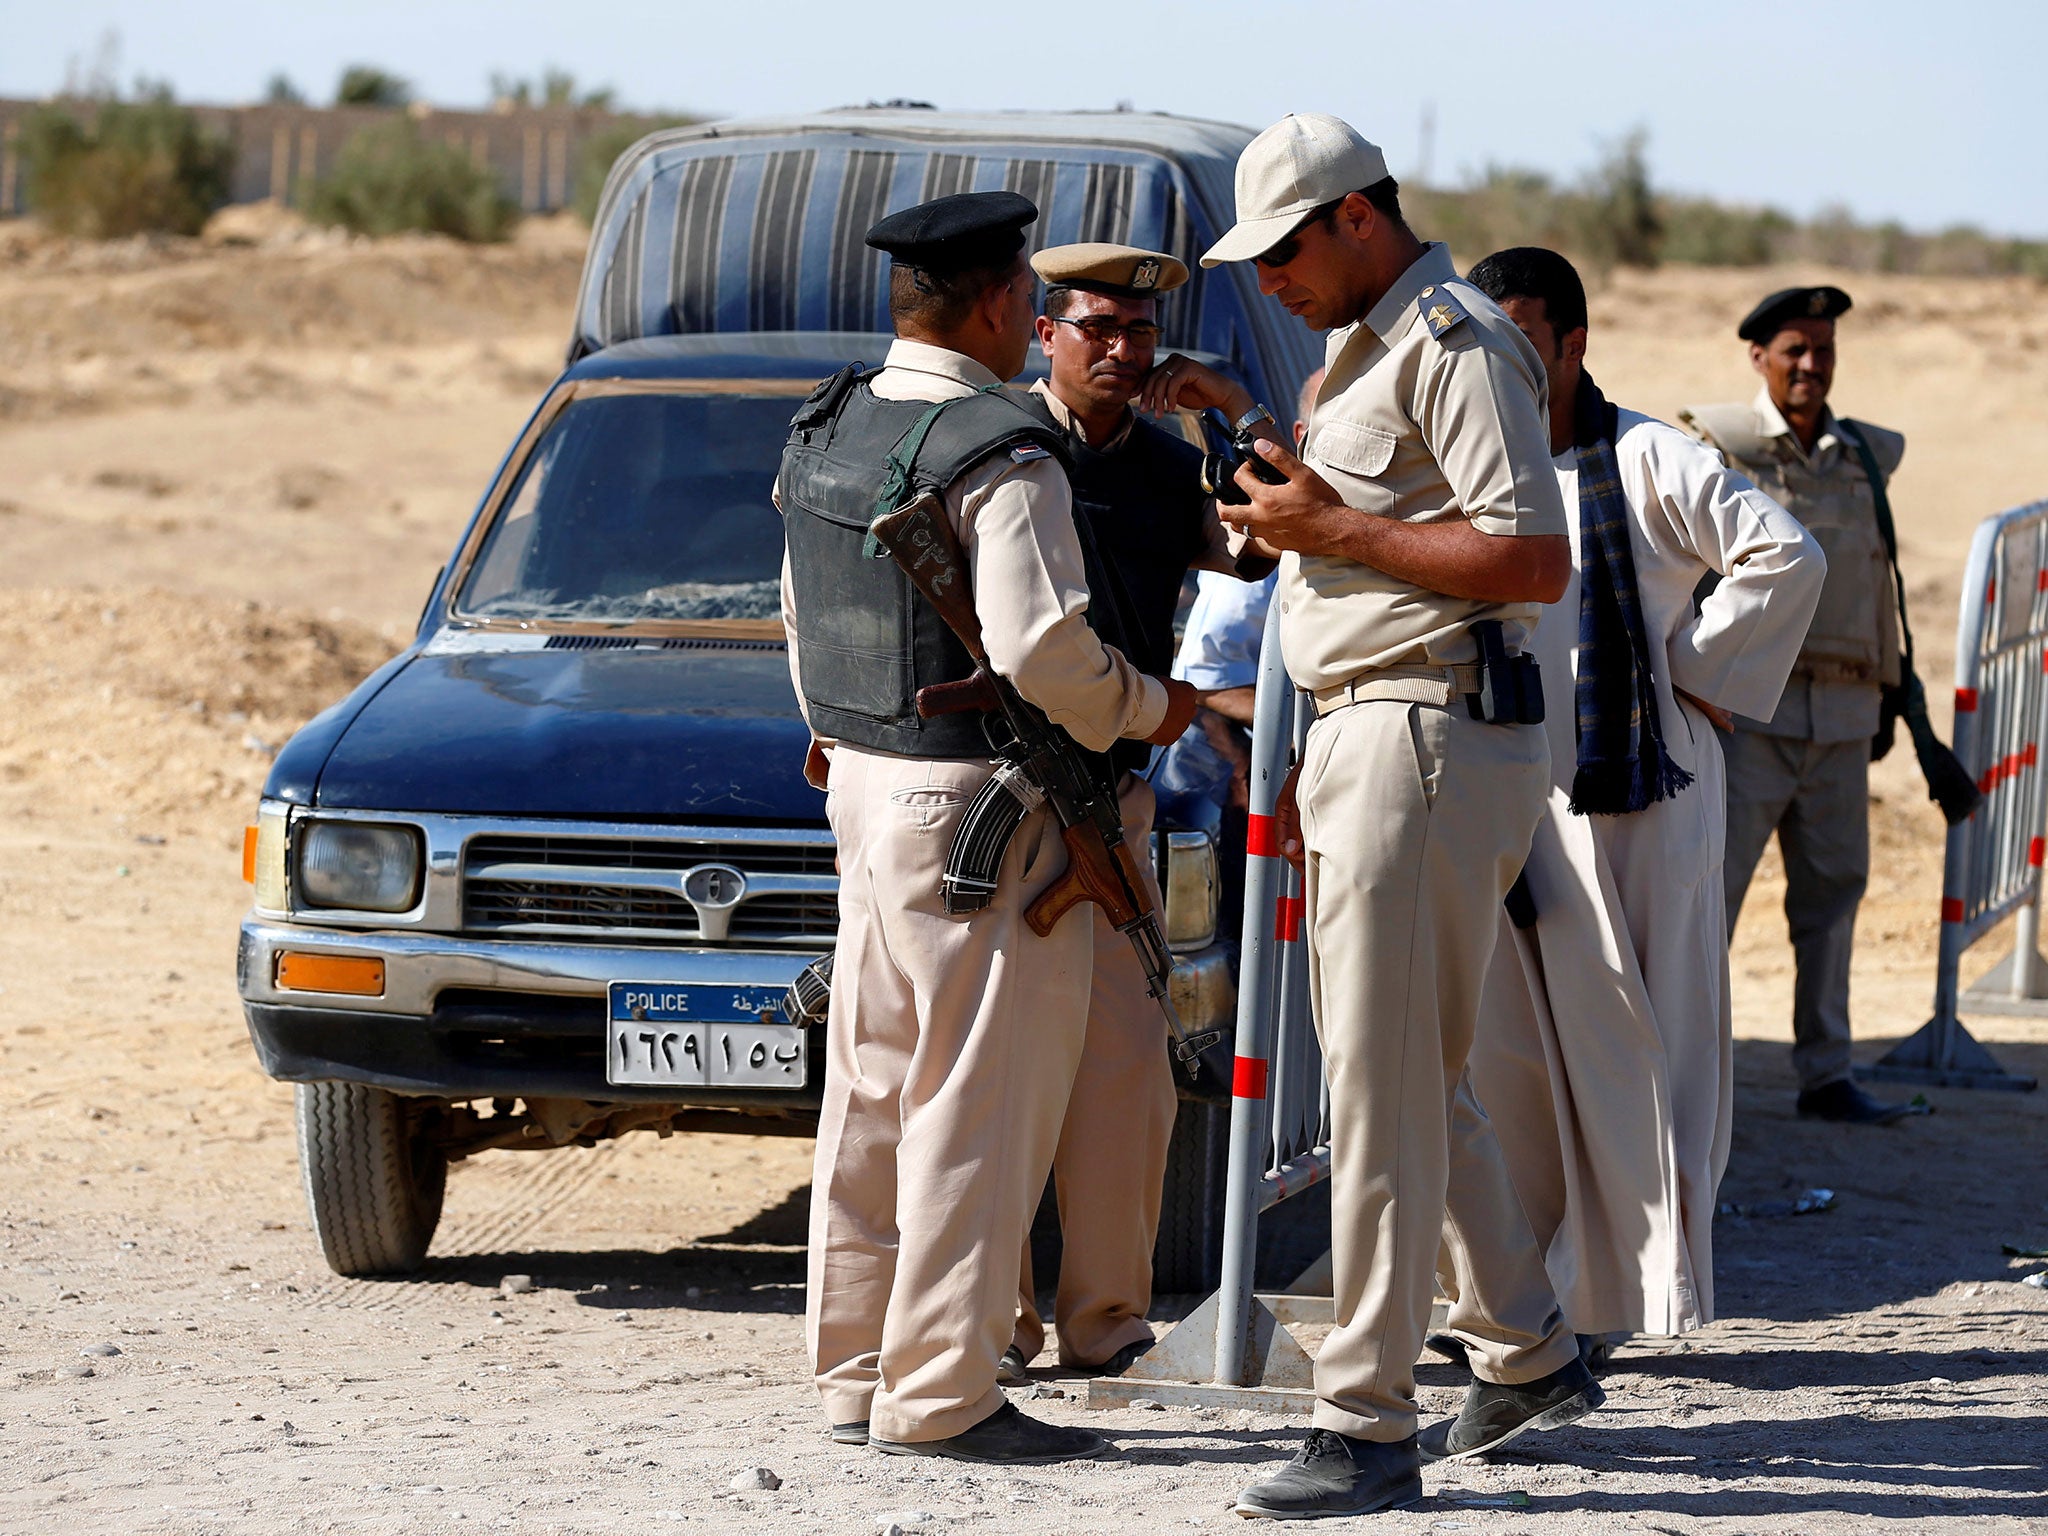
<point x="352" y="974"/>
<point x="248" y="855"/>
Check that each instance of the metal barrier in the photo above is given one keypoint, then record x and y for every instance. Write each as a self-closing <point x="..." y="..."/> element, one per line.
<point x="1234" y="1347"/>
<point x="1992" y="866"/>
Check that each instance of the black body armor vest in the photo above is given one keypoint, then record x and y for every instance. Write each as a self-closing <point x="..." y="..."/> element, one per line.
<point x="866" y="638"/>
<point x="1140" y="511"/>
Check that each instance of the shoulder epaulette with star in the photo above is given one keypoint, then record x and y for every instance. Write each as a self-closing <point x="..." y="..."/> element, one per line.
<point x="1441" y="312"/>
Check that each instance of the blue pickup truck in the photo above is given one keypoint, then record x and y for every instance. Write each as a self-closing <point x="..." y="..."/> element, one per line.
<point x="549" y="875"/>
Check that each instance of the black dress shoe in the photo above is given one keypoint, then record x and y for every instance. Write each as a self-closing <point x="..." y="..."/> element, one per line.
<point x="1493" y="1415"/>
<point x="1333" y="1474"/>
<point x="853" y="1433"/>
<point x="1005" y="1438"/>
<point x="1013" y="1370"/>
<point x="1842" y="1100"/>
<point x="1119" y="1362"/>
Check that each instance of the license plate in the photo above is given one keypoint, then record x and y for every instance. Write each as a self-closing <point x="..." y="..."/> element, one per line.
<point x="702" y="1035"/>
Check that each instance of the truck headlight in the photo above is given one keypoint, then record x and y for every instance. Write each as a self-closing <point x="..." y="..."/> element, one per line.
<point x="358" y="866"/>
<point x="1191" y="890"/>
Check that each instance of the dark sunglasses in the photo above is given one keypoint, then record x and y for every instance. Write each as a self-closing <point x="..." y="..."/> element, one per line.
<point x="1104" y="332"/>
<point x="1289" y="245"/>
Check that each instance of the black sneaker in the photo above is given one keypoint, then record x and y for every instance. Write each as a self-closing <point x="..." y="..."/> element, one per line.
<point x="1333" y="1474"/>
<point x="1843" y="1101"/>
<point x="1117" y="1363"/>
<point x="1013" y="1370"/>
<point x="854" y="1433"/>
<point x="1005" y="1438"/>
<point x="1493" y="1414"/>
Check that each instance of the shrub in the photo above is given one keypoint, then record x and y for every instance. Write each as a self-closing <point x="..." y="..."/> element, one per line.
<point x="1622" y="226"/>
<point x="365" y="85"/>
<point x="390" y="178"/>
<point x="134" y="166"/>
<point x="1710" y="234"/>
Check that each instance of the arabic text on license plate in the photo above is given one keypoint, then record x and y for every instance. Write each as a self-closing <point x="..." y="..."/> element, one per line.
<point x="701" y="1035"/>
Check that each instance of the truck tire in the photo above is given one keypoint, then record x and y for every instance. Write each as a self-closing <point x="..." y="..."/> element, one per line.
<point x="1188" y="1258"/>
<point x="373" y="1181"/>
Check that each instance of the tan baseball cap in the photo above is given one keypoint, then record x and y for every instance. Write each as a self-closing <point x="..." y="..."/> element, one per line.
<point x="1303" y="161"/>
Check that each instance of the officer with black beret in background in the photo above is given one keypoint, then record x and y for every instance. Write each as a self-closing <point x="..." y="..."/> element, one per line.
<point x="1804" y="774"/>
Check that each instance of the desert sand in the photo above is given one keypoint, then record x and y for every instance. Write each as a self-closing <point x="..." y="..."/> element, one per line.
<point x="227" y="477"/>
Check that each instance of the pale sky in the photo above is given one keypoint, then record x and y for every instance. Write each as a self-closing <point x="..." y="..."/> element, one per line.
<point x="1925" y="113"/>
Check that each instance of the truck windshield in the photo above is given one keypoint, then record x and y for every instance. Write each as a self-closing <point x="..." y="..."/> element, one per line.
<point x="641" y="506"/>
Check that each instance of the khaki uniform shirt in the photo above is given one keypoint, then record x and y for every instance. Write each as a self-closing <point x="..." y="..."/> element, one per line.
<point x="1015" y="518"/>
<point x="1220" y="544"/>
<point x="1853" y="645"/>
<point x="1422" y="427"/>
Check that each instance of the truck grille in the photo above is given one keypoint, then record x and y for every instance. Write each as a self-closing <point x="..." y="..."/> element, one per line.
<point x="600" y="887"/>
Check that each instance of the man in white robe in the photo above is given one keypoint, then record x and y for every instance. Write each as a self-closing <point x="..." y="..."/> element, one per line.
<point x="1603" y="1053"/>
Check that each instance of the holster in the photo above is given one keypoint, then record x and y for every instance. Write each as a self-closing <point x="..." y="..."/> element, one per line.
<point x="1510" y="687"/>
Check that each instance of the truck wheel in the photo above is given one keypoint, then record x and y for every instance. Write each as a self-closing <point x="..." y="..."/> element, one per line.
<point x="373" y="1181"/>
<point x="1188" y="1258"/>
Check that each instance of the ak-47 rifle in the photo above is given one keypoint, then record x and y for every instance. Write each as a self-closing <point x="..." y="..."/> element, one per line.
<point x="1037" y="764"/>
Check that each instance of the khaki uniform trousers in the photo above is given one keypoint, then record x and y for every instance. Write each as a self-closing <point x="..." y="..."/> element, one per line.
<point x="1816" y="796"/>
<point x="950" y="1046"/>
<point x="1111" y="1164"/>
<point x="1416" y="819"/>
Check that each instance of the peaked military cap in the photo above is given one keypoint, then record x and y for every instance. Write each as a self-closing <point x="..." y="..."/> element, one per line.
<point x="950" y="234"/>
<point x="1769" y="317"/>
<point x="1119" y="271"/>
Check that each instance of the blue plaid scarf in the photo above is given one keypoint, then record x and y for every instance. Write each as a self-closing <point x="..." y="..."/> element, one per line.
<point x="1623" y="766"/>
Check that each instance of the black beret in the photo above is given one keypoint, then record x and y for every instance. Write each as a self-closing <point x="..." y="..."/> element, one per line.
<point x="1769" y="317"/>
<point x="949" y="234"/>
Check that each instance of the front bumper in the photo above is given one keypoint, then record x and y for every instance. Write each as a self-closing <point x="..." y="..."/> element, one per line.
<point x="471" y="1018"/>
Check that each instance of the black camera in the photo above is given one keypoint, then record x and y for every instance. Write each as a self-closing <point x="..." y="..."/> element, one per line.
<point x="1219" y="469"/>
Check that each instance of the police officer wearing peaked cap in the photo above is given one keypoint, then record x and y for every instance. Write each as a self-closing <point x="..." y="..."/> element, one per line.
<point x="1422" y="529"/>
<point x="1804" y="774"/>
<point x="1144" y="521"/>
<point x="951" y="1039"/>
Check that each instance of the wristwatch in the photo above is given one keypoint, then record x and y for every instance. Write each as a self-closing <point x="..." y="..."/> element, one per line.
<point x="1250" y="419"/>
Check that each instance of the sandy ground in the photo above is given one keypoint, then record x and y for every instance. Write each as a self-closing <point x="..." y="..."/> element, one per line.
<point x="226" y="479"/>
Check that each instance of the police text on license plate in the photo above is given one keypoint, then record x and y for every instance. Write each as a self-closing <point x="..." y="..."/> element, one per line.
<point x="701" y="1035"/>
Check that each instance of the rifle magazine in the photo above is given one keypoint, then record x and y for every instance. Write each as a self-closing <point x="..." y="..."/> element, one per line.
<point x="974" y="864"/>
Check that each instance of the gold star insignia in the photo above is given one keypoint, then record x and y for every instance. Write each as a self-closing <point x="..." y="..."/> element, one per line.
<point x="1440" y="317"/>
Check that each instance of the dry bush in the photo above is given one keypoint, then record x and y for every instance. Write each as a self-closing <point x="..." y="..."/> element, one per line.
<point x="391" y="178"/>
<point x="114" y="168"/>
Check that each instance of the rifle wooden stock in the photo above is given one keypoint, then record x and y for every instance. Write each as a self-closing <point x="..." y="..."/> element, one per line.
<point x="919" y="537"/>
<point x="1094" y="873"/>
<point x="975" y="692"/>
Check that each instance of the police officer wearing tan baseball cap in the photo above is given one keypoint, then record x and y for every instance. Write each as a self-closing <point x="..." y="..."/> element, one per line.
<point x="1421" y="530"/>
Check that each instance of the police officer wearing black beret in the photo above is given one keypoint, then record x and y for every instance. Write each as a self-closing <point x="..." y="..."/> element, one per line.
<point x="1804" y="774"/>
<point x="952" y="1039"/>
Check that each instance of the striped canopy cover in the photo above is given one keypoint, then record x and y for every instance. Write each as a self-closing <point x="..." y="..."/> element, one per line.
<point x="758" y="226"/>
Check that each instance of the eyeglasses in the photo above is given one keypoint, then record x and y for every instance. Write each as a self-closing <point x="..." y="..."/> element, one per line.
<point x="1289" y="245"/>
<point x="1105" y="332"/>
